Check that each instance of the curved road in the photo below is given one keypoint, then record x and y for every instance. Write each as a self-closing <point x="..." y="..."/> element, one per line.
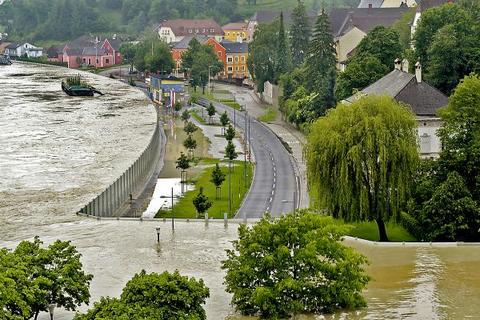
<point x="275" y="185"/>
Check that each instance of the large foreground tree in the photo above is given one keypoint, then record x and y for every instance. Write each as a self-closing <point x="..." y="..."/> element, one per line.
<point x="154" y="296"/>
<point x="361" y="158"/>
<point x="294" y="264"/>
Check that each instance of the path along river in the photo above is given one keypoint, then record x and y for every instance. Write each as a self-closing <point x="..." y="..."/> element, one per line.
<point x="58" y="152"/>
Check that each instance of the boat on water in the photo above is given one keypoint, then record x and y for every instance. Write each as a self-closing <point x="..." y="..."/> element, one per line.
<point x="5" y="60"/>
<point x="75" y="86"/>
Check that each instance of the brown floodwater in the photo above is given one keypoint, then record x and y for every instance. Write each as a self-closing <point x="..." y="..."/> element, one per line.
<point x="56" y="152"/>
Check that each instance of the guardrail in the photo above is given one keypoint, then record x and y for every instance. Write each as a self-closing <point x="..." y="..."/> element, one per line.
<point x="129" y="184"/>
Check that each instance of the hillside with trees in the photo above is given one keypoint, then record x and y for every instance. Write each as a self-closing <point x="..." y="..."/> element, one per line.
<point x="68" y="19"/>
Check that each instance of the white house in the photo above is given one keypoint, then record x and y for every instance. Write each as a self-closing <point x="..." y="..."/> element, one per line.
<point x="424" y="100"/>
<point x="31" y="51"/>
<point x="175" y="30"/>
<point x="19" y="50"/>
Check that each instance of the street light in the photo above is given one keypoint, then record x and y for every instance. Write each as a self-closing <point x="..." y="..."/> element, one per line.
<point x="209" y="87"/>
<point x="51" y="308"/>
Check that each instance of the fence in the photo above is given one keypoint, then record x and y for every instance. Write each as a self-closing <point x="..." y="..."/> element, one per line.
<point x="130" y="183"/>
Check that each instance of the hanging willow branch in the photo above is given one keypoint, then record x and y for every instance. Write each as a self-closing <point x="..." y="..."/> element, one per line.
<point x="361" y="158"/>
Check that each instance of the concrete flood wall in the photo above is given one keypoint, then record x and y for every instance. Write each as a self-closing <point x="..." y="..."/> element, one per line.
<point x="271" y="93"/>
<point x="113" y="200"/>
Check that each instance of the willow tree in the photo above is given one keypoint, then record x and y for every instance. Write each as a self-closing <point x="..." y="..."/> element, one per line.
<point x="361" y="159"/>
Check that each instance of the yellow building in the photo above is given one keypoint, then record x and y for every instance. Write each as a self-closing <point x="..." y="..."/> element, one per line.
<point x="236" y="62"/>
<point x="235" y="32"/>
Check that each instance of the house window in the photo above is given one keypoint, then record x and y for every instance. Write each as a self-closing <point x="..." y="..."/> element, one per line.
<point x="237" y="69"/>
<point x="236" y="59"/>
<point x="97" y="60"/>
<point x="189" y="30"/>
<point x="219" y="53"/>
<point x="196" y="30"/>
<point x="229" y="59"/>
<point x="243" y="58"/>
<point x="203" y="30"/>
<point x="230" y="69"/>
<point x="212" y="30"/>
<point x="243" y="68"/>
<point x="107" y="60"/>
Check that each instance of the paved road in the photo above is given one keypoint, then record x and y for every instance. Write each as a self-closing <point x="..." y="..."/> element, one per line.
<point x="275" y="183"/>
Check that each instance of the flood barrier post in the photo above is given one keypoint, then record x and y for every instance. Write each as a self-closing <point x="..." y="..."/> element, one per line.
<point x="173" y="214"/>
<point x="158" y="234"/>
<point x="225" y="219"/>
<point x="206" y="219"/>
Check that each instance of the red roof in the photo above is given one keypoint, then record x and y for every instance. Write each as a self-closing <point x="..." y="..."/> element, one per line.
<point x="183" y="27"/>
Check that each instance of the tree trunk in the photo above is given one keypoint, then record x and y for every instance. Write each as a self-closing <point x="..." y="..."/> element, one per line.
<point x="36" y="315"/>
<point x="203" y="89"/>
<point x="382" y="231"/>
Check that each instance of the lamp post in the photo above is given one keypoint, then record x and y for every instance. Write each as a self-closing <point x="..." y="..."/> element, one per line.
<point x="209" y="87"/>
<point x="51" y="308"/>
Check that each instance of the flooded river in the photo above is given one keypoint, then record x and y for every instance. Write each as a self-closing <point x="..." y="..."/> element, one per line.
<point x="58" y="152"/>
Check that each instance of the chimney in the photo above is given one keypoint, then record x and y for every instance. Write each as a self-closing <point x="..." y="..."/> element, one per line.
<point x="405" y="65"/>
<point x="398" y="64"/>
<point x="418" y="72"/>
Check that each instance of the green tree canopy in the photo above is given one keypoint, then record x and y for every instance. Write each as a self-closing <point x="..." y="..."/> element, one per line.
<point x="460" y="134"/>
<point x="359" y="74"/>
<point x="200" y="61"/>
<point x="300" y="32"/>
<point x="224" y="119"/>
<point x="361" y="158"/>
<point x="201" y="202"/>
<point x="230" y="152"/>
<point x="190" y="144"/>
<point x="33" y="277"/>
<point x="262" y="54"/>
<point x="218" y="177"/>
<point x="321" y="66"/>
<point x="153" y="296"/>
<point x="230" y="133"/>
<point x="190" y="128"/>
<point x="284" y="61"/>
<point x="294" y="264"/>
<point x="447" y="43"/>
<point x="451" y="214"/>
<point x="382" y="43"/>
<point x="182" y="162"/>
<point x="185" y="116"/>
<point x="211" y="111"/>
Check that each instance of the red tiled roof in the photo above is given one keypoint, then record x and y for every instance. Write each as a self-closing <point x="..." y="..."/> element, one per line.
<point x="183" y="27"/>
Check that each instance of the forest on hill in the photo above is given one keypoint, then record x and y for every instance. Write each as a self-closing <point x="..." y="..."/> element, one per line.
<point x="59" y="20"/>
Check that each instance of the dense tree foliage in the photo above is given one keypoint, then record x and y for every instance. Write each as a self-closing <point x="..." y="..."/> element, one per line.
<point x="361" y="159"/>
<point x="67" y="19"/>
<point x="262" y="59"/>
<point x="447" y="42"/>
<point x="153" y="296"/>
<point x="200" y="62"/>
<point x="283" y="53"/>
<point x="33" y="277"/>
<point x="321" y="65"/>
<point x="294" y="264"/>
<point x="445" y="193"/>
<point x="460" y="134"/>
<point x="373" y="58"/>
<point x="300" y="32"/>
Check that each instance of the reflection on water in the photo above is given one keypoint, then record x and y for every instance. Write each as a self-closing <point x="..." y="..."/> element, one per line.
<point x="408" y="282"/>
<point x="165" y="189"/>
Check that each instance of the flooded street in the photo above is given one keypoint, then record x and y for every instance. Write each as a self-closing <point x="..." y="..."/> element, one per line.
<point x="58" y="152"/>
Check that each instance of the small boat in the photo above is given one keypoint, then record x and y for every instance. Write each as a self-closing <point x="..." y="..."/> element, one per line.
<point x="74" y="86"/>
<point x="5" y="60"/>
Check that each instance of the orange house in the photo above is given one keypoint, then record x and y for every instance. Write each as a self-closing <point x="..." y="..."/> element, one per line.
<point x="182" y="46"/>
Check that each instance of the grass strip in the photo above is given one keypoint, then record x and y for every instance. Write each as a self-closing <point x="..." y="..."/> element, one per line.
<point x="269" y="116"/>
<point x="184" y="208"/>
